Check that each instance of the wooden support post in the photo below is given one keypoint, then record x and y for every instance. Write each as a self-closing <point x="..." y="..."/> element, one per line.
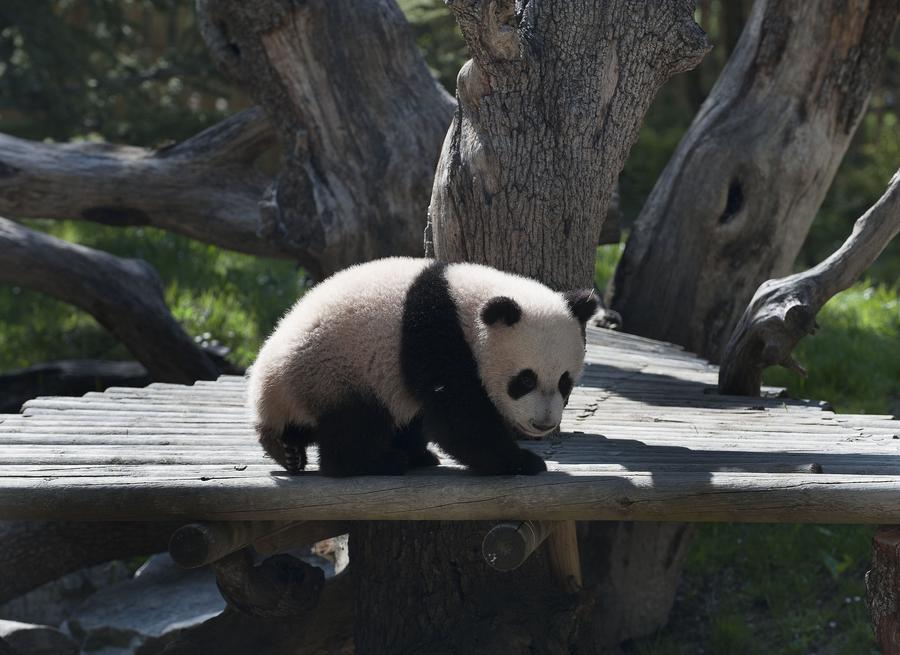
<point x="507" y="545"/>
<point x="565" y="561"/>
<point x="883" y="589"/>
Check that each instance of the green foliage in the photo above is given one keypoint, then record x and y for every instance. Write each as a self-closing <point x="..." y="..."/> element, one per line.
<point x="133" y="71"/>
<point x="605" y="262"/>
<point x="762" y="589"/>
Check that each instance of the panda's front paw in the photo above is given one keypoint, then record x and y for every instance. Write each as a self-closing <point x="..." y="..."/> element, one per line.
<point x="528" y="463"/>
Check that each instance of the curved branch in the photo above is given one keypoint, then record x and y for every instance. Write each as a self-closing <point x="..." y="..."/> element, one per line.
<point x="124" y="295"/>
<point x="205" y="188"/>
<point x="783" y="311"/>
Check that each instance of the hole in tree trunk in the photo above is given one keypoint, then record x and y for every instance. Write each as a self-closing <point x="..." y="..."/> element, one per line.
<point x="734" y="203"/>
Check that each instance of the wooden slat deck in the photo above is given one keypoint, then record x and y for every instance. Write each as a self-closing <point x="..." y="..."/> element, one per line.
<point x="644" y="438"/>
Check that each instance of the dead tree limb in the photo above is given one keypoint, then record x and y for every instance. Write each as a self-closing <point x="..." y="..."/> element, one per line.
<point x="205" y="188"/>
<point x="358" y="116"/>
<point x="124" y="295"/>
<point x="783" y="311"/>
<point x="733" y="206"/>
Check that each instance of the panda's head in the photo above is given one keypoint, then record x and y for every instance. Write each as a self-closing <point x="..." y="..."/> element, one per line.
<point x="531" y="355"/>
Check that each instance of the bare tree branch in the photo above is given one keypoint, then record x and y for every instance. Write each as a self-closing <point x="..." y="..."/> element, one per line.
<point x="783" y="311"/>
<point x="359" y="118"/>
<point x="205" y="188"/>
<point x="124" y="295"/>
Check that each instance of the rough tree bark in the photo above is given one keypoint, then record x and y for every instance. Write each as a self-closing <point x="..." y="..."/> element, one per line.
<point x="735" y="203"/>
<point x="35" y="552"/>
<point x="784" y="311"/>
<point x="548" y="109"/>
<point x="124" y="295"/>
<point x="357" y="114"/>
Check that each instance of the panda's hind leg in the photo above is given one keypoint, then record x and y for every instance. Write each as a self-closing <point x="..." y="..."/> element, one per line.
<point x="411" y="439"/>
<point x="357" y="438"/>
<point x="286" y="445"/>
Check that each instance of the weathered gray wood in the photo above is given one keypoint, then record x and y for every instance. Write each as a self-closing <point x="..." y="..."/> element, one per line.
<point x="783" y="311"/>
<point x="456" y="495"/>
<point x="131" y="457"/>
<point x="205" y="188"/>
<point x="124" y="295"/>
<point x="735" y="203"/>
<point x="357" y="115"/>
<point x="549" y="106"/>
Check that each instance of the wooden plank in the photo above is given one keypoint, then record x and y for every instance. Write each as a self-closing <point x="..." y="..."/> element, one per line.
<point x="746" y="497"/>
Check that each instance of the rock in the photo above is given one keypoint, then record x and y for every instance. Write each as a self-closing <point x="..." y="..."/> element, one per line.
<point x="52" y="603"/>
<point x="31" y="639"/>
<point x="161" y="600"/>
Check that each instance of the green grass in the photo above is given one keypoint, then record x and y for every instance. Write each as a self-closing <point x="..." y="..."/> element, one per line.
<point x="854" y="358"/>
<point x="766" y="589"/>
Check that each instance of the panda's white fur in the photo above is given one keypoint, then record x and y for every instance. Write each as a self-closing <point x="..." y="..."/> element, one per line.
<point x="345" y="337"/>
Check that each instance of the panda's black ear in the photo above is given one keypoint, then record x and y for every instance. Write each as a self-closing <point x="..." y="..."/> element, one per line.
<point x="582" y="303"/>
<point x="503" y="309"/>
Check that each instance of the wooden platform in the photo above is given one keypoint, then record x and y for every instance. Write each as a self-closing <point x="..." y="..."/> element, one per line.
<point x="645" y="438"/>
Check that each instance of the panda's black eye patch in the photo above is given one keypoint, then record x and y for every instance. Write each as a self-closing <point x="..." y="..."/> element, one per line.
<point x="524" y="382"/>
<point x="565" y="384"/>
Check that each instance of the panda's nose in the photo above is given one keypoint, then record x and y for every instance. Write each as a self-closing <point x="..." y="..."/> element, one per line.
<point x="541" y="427"/>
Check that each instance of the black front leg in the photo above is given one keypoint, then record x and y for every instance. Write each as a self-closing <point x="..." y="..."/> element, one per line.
<point x="471" y="431"/>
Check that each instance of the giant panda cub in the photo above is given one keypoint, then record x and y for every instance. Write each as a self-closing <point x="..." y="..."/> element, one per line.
<point x="382" y="358"/>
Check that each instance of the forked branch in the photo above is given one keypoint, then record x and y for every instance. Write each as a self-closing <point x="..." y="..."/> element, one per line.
<point x="783" y="311"/>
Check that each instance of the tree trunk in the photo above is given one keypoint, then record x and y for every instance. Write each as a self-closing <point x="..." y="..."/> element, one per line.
<point x="734" y="205"/>
<point x="357" y="114"/>
<point x="548" y="109"/>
